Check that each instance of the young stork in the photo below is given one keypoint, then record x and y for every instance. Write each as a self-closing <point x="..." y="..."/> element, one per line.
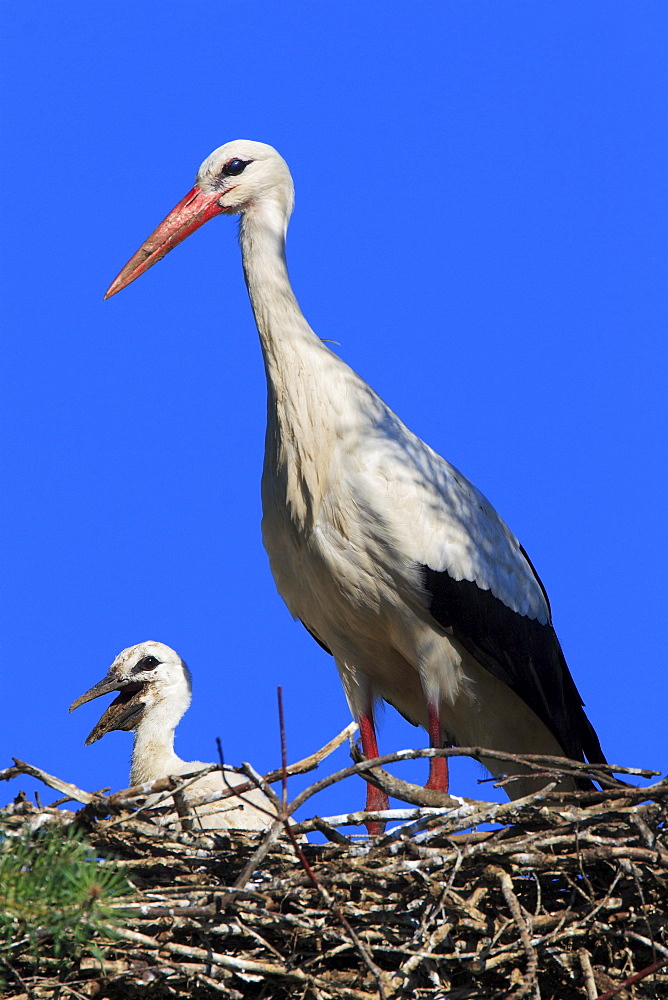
<point x="395" y="563"/>
<point x="154" y="693"/>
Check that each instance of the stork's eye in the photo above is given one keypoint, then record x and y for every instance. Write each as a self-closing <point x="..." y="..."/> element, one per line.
<point x="146" y="663"/>
<point x="235" y="167"/>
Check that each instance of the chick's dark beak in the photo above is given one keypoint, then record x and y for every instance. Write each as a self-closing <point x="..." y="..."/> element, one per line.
<point x="125" y="711"/>
<point x="105" y="686"/>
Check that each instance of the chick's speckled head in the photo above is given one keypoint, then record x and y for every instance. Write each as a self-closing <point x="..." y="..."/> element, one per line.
<point x="145" y="676"/>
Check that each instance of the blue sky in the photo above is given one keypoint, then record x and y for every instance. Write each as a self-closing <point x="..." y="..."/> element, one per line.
<point x="480" y="224"/>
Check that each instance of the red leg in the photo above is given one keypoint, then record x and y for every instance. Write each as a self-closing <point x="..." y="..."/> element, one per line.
<point x="375" y="798"/>
<point x="438" y="766"/>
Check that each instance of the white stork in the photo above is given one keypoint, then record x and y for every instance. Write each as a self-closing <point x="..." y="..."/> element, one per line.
<point x="154" y="692"/>
<point x="391" y="558"/>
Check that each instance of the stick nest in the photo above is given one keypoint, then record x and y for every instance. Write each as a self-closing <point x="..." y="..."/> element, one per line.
<point x="566" y="897"/>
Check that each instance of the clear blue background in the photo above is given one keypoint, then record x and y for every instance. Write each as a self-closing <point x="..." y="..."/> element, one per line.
<point x="481" y="225"/>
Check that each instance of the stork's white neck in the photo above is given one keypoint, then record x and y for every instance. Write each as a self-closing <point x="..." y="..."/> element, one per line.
<point x="302" y="374"/>
<point x="284" y="332"/>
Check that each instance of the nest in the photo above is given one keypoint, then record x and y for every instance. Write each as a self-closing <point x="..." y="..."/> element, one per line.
<point x="565" y="897"/>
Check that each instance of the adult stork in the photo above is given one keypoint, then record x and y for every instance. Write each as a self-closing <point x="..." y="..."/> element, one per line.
<point x="391" y="558"/>
<point x="154" y="690"/>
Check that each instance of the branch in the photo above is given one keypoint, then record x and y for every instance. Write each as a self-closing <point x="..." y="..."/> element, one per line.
<point x="72" y="792"/>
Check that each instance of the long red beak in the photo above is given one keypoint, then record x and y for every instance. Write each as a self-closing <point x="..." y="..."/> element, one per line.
<point x="192" y="212"/>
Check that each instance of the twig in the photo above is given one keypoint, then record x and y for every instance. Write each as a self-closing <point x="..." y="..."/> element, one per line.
<point x="329" y="831"/>
<point x="635" y="978"/>
<point x="75" y="993"/>
<point x="232" y="962"/>
<point x="236" y="791"/>
<point x="65" y="787"/>
<point x="522" y="921"/>
<point x="260" y="783"/>
<point x="284" y="751"/>
<point x="257" y="857"/>
<point x="17" y="976"/>
<point x="653" y="945"/>
<point x="588" y="974"/>
<point x="10" y="772"/>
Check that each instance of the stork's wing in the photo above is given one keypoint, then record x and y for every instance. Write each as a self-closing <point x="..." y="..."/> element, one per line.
<point x="522" y="652"/>
<point x="479" y="582"/>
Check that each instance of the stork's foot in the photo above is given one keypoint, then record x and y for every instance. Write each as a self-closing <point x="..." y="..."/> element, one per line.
<point x="376" y="801"/>
<point x="439" y="779"/>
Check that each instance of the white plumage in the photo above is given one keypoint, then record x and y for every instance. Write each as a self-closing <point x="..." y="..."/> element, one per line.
<point x="393" y="561"/>
<point x="154" y="692"/>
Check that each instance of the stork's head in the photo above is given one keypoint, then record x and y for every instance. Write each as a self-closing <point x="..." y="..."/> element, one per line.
<point x="242" y="173"/>
<point x="148" y="677"/>
<point x="236" y="178"/>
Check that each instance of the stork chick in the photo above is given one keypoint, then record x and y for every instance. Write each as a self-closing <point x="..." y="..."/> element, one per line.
<point x="154" y="693"/>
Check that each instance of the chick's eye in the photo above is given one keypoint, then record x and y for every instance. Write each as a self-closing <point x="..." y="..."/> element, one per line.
<point x="146" y="663"/>
<point x="235" y="167"/>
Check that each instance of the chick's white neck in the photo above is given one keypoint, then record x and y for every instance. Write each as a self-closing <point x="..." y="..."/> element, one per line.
<point x="153" y="752"/>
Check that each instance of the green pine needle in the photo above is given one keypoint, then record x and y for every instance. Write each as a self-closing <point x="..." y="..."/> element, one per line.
<point x="52" y="889"/>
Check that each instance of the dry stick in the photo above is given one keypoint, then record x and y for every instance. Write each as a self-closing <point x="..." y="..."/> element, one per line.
<point x="284" y="750"/>
<point x="258" y="855"/>
<point x="398" y="787"/>
<point x="168" y="788"/>
<point x="362" y="769"/>
<point x="635" y="978"/>
<point x="588" y="917"/>
<point x="653" y="945"/>
<point x="17" y="975"/>
<point x="260" y="783"/>
<point x="126" y="798"/>
<point x="366" y="957"/>
<point x="513" y="904"/>
<point x="232" y="962"/>
<point x="48" y="779"/>
<point x="213" y="984"/>
<point x="467" y="816"/>
<point x="123" y="799"/>
<point x="506" y="957"/>
<point x="237" y="790"/>
<point x="419" y="796"/>
<point x="272" y="835"/>
<point x="258" y="937"/>
<point x="423" y="797"/>
<point x="641" y="895"/>
<point x="332" y="834"/>
<point x="184" y="811"/>
<point x="535" y="761"/>
<point x="313" y="760"/>
<point x="10" y="772"/>
<point x="441" y="932"/>
<point x="270" y="838"/>
<point x="75" y="993"/>
<point x="588" y="973"/>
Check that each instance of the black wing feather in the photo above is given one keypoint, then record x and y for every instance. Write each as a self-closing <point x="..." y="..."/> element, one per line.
<point x="521" y="652"/>
<point x="317" y="639"/>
